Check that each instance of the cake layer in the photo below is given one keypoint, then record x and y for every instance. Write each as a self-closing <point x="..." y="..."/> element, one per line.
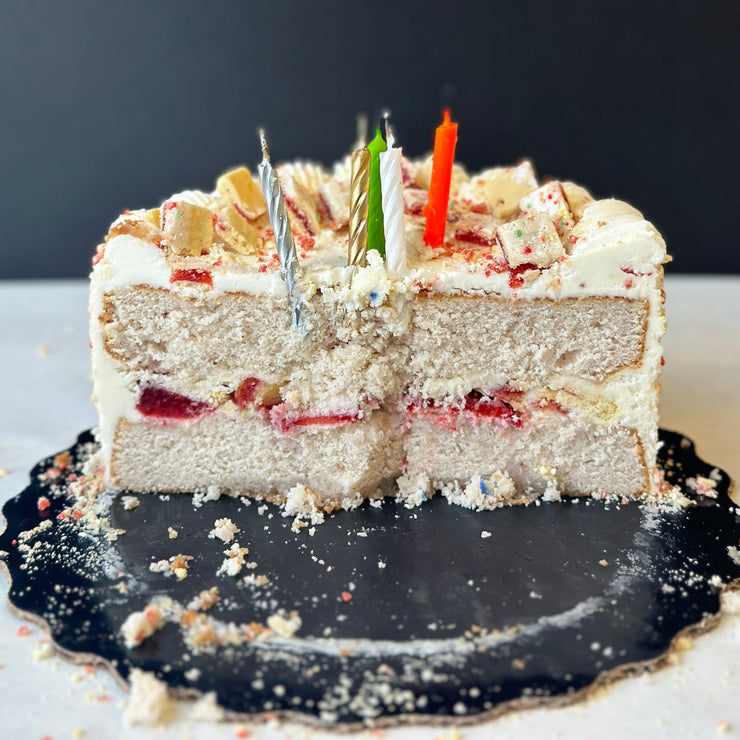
<point x="241" y="453"/>
<point x="455" y="343"/>
<point x="574" y="454"/>
<point x="489" y="341"/>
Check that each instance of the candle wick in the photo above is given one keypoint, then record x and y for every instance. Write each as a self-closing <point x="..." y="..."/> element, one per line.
<point x="389" y="138"/>
<point x="263" y="143"/>
<point x="384" y="123"/>
<point x="361" y="123"/>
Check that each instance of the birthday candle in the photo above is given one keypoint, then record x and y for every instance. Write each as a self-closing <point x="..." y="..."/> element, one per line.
<point x="375" y="235"/>
<point x="358" y="193"/>
<point x="281" y="227"/>
<point x="392" y="189"/>
<point x="435" y="211"/>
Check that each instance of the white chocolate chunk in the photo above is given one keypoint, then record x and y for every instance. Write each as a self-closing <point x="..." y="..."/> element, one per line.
<point x="477" y="228"/>
<point x="187" y="229"/>
<point x="502" y="189"/>
<point x="578" y="198"/>
<point x="531" y="241"/>
<point x="549" y="199"/>
<point x="301" y="205"/>
<point x="334" y="196"/>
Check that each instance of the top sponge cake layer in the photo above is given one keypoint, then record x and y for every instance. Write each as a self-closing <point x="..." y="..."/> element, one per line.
<point x="198" y="346"/>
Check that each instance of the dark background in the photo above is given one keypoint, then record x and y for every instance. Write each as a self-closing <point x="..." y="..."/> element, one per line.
<point x="113" y="105"/>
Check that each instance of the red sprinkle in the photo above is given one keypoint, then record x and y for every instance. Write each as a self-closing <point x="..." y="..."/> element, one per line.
<point x="23" y="630"/>
<point x="43" y="503"/>
<point x="77" y="515"/>
<point x="242" y="733"/>
<point x="346" y="596"/>
<point x="191" y="276"/>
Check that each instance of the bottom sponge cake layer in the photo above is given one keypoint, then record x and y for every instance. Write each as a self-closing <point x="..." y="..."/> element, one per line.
<point x="577" y="455"/>
<point x="241" y="453"/>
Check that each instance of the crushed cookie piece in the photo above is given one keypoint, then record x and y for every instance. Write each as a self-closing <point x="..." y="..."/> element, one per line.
<point x="239" y="190"/>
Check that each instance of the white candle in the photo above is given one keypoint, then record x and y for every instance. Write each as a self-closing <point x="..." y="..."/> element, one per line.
<point x="391" y="188"/>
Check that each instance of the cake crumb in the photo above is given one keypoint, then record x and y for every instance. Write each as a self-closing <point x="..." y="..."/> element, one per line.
<point x="235" y="560"/>
<point x="207" y="709"/>
<point x="140" y="625"/>
<point x="481" y="494"/>
<point x="43" y="350"/>
<point x="730" y="601"/>
<point x="205" y="600"/>
<point x="129" y="502"/>
<point x="4" y="472"/>
<point x="603" y="563"/>
<point x="734" y="554"/>
<point x="723" y="726"/>
<point x="224" y="529"/>
<point x="172" y="533"/>
<point x="42" y="651"/>
<point x="149" y="703"/>
<point x="683" y="643"/>
<point x="485" y="534"/>
<point x="177" y="565"/>
<point x="413" y="490"/>
<point x="283" y="625"/>
<point x="303" y="502"/>
<point x="453" y="734"/>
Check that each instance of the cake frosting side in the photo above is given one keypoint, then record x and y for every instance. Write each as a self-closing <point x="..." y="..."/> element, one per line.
<point x="524" y="354"/>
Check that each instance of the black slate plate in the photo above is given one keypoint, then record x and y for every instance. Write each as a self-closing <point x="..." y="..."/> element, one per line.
<point x="405" y="613"/>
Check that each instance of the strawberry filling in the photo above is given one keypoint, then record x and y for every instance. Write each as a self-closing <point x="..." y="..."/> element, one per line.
<point x="191" y="276"/>
<point x="283" y="420"/>
<point x="516" y="274"/>
<point x="502" y="405"/>
<point x="164" y="404"/>
<point x="246" y="393"/>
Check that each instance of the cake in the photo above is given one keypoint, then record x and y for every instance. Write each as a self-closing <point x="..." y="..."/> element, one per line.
<point x="519" y="359"/>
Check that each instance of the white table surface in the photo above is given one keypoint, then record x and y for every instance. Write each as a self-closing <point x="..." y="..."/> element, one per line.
<point x="45" y="402"/>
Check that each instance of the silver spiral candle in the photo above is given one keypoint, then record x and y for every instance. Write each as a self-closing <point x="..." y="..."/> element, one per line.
<point x="358" y="203"/>
<point x="280" y="223"/>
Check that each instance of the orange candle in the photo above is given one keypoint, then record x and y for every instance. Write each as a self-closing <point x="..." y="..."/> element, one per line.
<point x="439" y="187"/>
